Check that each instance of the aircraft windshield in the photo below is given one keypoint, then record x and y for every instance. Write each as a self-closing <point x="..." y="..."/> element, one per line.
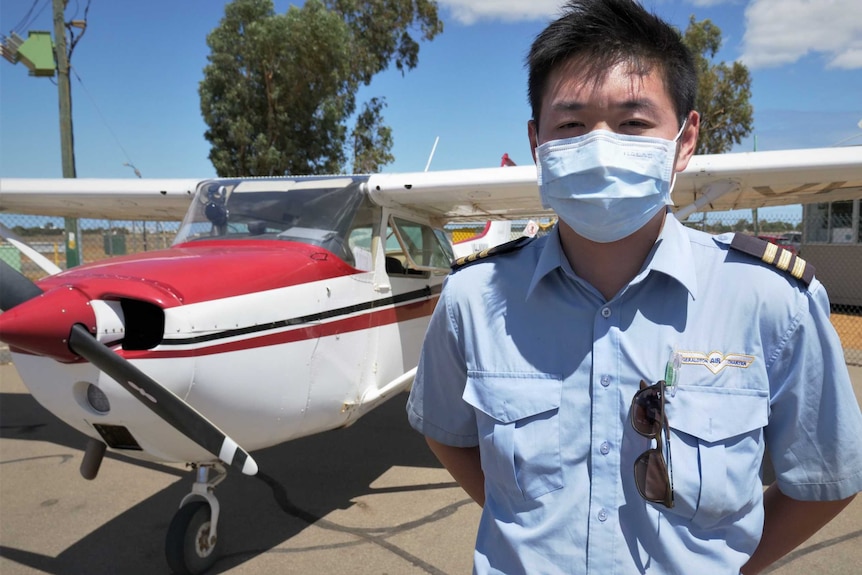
<point x="317" y="211"/>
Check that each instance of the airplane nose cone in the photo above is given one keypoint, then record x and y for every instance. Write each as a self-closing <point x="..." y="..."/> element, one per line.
<point x="41" y="325"/>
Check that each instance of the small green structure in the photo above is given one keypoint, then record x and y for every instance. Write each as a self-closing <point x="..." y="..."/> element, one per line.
<point x="11" y="256"/>
<point x="36" y="52"/>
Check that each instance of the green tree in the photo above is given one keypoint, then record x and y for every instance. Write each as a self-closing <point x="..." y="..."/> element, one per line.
<point x="279" y="89"/>
<point x="372" y="140"/>
<point x="741" y="225"/>
<point x="724" y="91"/>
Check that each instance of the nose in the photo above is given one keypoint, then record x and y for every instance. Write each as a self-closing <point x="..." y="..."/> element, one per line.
<point x="42" y="324"/>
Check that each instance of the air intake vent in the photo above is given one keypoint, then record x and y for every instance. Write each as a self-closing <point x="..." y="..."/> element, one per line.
<point x="145" y="324"/>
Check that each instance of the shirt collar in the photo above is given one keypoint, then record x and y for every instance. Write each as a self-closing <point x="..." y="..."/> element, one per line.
<point x="671" y="255"/>
<point x="551" y="258"/>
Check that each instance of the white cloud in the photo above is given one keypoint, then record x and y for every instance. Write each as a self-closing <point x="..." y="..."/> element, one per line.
<point x="707" y="3"/>
<point x="469" y="11"/>
<point x="780" y="32"/>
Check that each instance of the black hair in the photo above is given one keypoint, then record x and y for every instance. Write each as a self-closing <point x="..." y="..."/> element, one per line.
<point x="603" y="33"/>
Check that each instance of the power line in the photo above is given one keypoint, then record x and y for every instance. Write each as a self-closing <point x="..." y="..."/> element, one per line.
<point x="30" y="17"/>
<point x="105" y="121"/>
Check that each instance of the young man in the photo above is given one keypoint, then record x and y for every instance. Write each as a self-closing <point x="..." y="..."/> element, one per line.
<point x="529" y="386"/>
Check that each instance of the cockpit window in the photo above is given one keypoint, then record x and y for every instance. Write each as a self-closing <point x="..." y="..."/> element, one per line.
<point x="418" y="247"/>
<point x="316" y="211"/>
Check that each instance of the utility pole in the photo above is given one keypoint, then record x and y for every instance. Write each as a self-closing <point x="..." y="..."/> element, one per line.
<point x="67" y="142"/>
<point x="44" y="58"/>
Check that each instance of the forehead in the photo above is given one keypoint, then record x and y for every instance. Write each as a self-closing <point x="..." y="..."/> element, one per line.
<point x="576" y="83"/>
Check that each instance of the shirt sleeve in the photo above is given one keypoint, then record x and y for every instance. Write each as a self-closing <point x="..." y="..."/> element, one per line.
<point x="435" y="407"/>
<point x="814" y="435"/>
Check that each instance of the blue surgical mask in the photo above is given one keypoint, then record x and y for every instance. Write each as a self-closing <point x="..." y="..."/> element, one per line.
<point x="606" y="186"/>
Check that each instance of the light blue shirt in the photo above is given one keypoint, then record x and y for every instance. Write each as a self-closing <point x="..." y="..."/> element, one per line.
<point x="529" y="362"/>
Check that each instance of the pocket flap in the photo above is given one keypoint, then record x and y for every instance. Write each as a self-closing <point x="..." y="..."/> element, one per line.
<point x="508" y="397"/>
<point x="713" y="414"/>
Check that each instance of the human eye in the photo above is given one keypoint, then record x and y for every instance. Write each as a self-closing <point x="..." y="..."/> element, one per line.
<point x="637" y="122"/>
<point x="569" y="128"/>
<point x="635" y="126"/>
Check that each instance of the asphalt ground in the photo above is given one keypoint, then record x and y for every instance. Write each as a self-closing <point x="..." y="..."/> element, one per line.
<point x="366" y="500"/>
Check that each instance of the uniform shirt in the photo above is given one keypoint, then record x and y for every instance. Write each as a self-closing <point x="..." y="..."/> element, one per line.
<point x="529" y="362"/>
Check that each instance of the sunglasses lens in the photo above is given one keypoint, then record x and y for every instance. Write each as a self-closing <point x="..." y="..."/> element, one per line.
<point x="651" y="477"/>
<point x="646" y="412"/>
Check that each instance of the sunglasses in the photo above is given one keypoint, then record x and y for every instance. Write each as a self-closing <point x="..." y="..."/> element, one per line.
<point x="652" y="476"/>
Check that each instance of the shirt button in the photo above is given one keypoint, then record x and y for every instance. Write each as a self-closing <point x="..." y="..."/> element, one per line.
<point x="605" y="448"/>
<point x="606" y="312"/>
<point x="603" y="515"/>
<point x="606" y="380"/>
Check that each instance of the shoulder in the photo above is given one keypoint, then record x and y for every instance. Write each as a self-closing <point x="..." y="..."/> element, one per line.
<point x="779" y="259"/>
<point x="506" y="248"/>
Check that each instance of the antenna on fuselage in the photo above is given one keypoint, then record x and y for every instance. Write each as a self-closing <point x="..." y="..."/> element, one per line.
<point x="433" y="149"/>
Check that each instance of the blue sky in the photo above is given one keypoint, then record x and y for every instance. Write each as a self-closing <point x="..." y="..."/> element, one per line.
<point x="137" y="68"/>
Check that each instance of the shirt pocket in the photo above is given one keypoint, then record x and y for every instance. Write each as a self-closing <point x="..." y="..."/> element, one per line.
<point x="716" y="449"/>
<point x="519" y="430"/>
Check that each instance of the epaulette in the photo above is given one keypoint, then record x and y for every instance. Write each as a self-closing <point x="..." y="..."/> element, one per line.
<point x="775" y="255"/>
<point x="500" y="249"/>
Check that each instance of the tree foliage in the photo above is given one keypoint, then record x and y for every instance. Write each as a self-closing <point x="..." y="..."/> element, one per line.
<point x="279" y="89"/>
<point x="724" y="91"/>
<point x="372" y="139"/>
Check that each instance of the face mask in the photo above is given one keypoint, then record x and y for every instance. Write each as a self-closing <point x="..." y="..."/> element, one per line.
<point x="607" y="186"/>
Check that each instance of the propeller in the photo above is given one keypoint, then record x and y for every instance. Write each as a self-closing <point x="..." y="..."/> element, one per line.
<point x="17" y="290"/>
<point x="15" y="287"/>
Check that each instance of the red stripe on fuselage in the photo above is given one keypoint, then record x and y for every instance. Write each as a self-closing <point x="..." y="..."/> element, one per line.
<point x="372" y="319"/>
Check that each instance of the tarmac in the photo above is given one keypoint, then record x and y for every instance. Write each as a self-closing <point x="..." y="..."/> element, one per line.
<point x="366" y="500"/>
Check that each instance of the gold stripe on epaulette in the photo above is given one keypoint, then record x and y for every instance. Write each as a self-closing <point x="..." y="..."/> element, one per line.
<point x="769" y="253"/>
<point x="784" y="260"/>
<point x="798" y="268"/>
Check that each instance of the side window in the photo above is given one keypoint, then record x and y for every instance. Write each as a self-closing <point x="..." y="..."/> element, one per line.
<point x="417" y="247"/>
<point x="396" y="258"/>
<point x="832" y="223"/>
<point x="359" y="242"/>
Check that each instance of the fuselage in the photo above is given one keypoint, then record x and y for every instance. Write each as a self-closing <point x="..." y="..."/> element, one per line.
<point x="270" y="337"/>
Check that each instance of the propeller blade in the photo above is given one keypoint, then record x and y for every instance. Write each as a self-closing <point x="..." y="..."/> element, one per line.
<point x="15" y="287"/>
<point x="167" y="405"/>
<point x="44" y="263"/>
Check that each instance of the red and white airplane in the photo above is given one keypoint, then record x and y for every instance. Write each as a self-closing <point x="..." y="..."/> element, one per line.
<point x="285" y="307"/>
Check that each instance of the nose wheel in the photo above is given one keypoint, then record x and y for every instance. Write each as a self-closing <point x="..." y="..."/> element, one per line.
<point x="191" y="544"/>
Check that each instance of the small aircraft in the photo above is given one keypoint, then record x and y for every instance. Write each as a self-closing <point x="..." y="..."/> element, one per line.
<point x="285" y="306"/>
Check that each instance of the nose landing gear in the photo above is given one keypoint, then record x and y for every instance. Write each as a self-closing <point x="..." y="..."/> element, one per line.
<point x="191" y="545"/>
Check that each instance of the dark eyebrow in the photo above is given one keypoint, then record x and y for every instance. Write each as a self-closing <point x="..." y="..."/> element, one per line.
<point x="568" y="106"/>
<point x="641" y="104"/>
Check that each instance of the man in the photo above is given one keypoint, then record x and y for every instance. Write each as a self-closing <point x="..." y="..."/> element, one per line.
<point x="529" y="385"/>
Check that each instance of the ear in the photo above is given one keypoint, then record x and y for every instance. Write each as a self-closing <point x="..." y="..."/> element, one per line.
<point x="532" y="133"/>
<point x="687" y="142"/>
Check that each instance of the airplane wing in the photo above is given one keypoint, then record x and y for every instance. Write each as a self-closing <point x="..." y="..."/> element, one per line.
<point x="715" y="182"/>
<point x="465" y="195"/>
<point x="720" y="182"/>
<point x="110" y="199"/>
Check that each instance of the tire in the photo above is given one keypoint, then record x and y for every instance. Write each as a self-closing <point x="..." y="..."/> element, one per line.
<point x="186" y="544"/>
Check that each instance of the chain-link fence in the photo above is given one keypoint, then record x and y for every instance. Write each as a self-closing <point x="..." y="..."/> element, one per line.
<point x="96" y="239"/>
<point x="825" y="235"/>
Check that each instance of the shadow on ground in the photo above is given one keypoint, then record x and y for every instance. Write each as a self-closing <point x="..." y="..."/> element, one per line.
<point x="318" y="474"/>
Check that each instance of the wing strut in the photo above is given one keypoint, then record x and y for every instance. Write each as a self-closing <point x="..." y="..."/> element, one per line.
<point x="712" y="193"/>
